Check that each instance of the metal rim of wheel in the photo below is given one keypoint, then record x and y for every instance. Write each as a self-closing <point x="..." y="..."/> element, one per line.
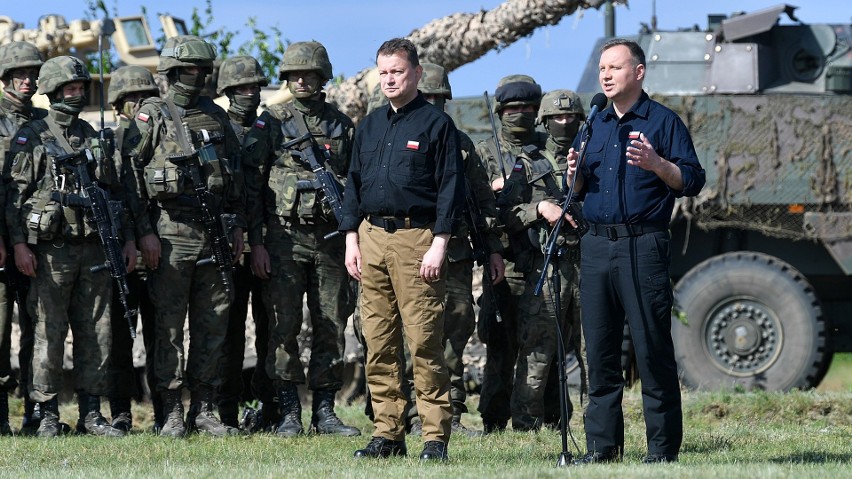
<point x="743" y="336"/>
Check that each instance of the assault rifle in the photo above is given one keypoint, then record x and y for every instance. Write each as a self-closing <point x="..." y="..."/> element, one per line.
<point x="106" y="214"/>
<point x="217" y="225"/>
<point x="305" y="148"/>
<point x="480" y="248"/>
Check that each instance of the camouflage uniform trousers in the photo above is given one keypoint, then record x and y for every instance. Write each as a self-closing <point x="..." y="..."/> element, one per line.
<point x="501" y="351"/>
<point x="8" y="297"/>
<point x="179" y="286"/>
<point x="247" y="288"/>
<point x="459" y="323"/>
<point x="396" y="302"/>
<point x="65" y="292"/>
<point x="537" y="344"/>
<point x="303" y="262"/>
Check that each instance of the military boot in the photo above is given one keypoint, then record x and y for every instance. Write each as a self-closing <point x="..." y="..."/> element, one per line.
<point x="91" y="420"/>
<point x="270" y="415"/>
<point x="459" y="428"/>
<point x="173" y="425"/>
<point x="120" y="410"/>
<point x="291" y="411"/>
<point x="32" y="417"/>
<point x="5" y="427"/>
<point x="201" y="418"/>
<point x="229" y="411"/>
<point x="49" y="425"/>
<point x="324" y="420"/>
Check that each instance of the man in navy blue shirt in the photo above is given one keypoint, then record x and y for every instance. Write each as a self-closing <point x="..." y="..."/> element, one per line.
<point x="639" y="158"/>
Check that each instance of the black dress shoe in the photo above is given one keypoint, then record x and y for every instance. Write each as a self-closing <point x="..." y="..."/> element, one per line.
<point x="382" y="447"/>
<point x="658" y="458"/>
<point x="598" y="458"/>
<point x="434" y="451"/>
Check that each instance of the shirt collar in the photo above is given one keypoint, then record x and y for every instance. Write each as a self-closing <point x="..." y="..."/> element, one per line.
<point x="639" y="109"/>
<point x="414" y="104"/>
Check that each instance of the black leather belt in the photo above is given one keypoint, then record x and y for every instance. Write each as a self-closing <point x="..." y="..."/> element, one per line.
<point x="392" y="223"/>
<point x="613" y="232"/>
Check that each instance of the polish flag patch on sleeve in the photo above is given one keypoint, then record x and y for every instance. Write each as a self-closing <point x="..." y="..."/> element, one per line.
<point x="260" y="124"/>
<point x="412" y="145"/>
<point x="143" y="116"/>
<point x="22" y="140"/>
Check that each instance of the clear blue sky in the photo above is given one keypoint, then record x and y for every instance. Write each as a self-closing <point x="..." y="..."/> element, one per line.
<point x="352" y="30"/>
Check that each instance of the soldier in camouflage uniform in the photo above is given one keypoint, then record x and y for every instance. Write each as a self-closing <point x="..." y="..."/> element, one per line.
<point x="459" y="318"/>
<point x="240" y="79"/>
<point x="294" y="256"/>
<point x="45" y="213"/>
<point x="19" y="65"/>
<point x="561" y="114"/>
<point x="174" y="235"/>
<point x="517" y="99"/>
<point x="128" y="87"/>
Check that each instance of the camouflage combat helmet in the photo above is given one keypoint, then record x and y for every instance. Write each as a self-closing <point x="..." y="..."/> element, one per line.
<point x="60" y="70"/>
<point x="560" y="102"/>
<point x="130" y="79"/>
<point x="516" y="90"/>
<point x="186" y="51"/>
<point x="240" y="70"/>
<point x="435" y="81"/>
<point x="305" y="56"/>
<point x="18" y="55"/>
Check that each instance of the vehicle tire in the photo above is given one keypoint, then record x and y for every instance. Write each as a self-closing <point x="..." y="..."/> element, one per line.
<point x="752" y="321"/>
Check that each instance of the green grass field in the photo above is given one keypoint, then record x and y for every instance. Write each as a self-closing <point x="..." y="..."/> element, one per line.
<point x="727" y="434"/>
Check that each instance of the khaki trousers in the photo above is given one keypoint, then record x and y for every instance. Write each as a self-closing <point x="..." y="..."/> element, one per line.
<point x="395" y="301"/>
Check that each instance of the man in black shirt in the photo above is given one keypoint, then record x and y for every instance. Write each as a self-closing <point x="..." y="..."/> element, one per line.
<point x="406" y="180"/>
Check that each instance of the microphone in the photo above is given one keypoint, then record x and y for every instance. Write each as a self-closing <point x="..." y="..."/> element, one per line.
<point x="597" y="104"/>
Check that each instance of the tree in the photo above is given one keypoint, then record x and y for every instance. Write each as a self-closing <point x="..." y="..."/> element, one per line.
<point x="461" y="38"/>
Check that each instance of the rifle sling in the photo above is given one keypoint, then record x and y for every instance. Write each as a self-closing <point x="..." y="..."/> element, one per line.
<point x="180" y="130"/>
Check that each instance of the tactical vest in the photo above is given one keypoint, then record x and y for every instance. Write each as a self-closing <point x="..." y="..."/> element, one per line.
<point x="55" y="211"/>
<point x="167" y="176"/>
<point x="289" y="192"/>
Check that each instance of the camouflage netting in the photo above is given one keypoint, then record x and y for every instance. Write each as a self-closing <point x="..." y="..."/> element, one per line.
<point x="461" y="38"/>
<point x="784" y="159"/>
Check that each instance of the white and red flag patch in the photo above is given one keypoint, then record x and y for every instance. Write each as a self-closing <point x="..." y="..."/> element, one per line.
<point x="412" y="145"/>
<point x="143" y="116"/>
<point x="22" y="140"/>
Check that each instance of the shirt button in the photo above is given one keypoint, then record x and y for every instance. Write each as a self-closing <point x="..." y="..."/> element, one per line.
<point x="389" y="144"/>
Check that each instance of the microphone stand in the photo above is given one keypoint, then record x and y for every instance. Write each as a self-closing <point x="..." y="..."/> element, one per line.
<point x="552" y="252"/>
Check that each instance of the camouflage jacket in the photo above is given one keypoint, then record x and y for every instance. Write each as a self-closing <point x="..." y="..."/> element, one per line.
<point x="165" y="177"/>
<point x="515" y="193"/>
<point x="127" y="138"/>
<point x="459" y="247"/>
<point x="12" y="117"/>
<point x="33" y="212"/>
<point x="280" y="195"/>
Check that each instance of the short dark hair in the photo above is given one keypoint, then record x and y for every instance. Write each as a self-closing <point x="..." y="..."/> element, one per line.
<point x="635" y="50"/>
<point x="398" y="45"/>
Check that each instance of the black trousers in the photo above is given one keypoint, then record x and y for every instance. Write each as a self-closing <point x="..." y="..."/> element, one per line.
<point x="629" y="278"/>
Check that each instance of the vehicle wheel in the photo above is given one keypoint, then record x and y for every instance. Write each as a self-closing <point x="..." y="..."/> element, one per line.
<point x="753" y="321"/>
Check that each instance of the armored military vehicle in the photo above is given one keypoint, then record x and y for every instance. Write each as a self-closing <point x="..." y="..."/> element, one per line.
<point x="762" y="259"/>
